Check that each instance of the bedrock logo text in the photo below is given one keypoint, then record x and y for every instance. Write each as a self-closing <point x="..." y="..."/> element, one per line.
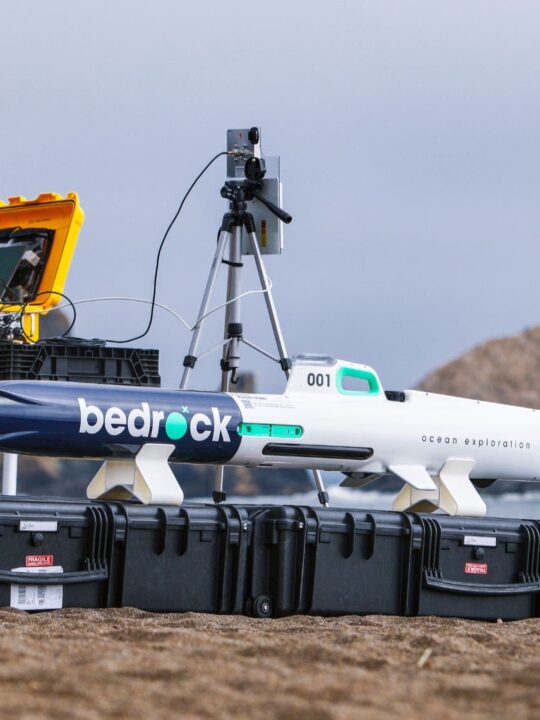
<point x="143" y="422"/>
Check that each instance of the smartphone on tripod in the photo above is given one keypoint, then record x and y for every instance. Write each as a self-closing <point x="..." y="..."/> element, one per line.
<point x="247" y="143"/>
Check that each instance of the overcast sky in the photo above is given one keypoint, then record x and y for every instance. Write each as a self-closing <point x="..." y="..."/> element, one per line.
<point x="410" y="155"/>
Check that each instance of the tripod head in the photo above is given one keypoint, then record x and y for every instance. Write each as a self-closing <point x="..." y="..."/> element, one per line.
<point x="240" y="192"/>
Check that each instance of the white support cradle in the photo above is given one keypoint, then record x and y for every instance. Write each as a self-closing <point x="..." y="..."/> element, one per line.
<point x="148" y="478"/>
<point x="452" y="490"/>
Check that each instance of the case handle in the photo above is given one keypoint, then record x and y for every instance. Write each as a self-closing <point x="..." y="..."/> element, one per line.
<point x="463" y="588"/>
<point x="69" y="578"/>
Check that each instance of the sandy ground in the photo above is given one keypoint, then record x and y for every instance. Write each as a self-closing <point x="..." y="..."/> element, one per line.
<point x="130" y="664"/>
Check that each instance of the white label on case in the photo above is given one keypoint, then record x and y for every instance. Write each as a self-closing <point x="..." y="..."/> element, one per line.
<point x="38" y="525"/>
<point x="479" y="540"/>
<point x="37" y="597"/>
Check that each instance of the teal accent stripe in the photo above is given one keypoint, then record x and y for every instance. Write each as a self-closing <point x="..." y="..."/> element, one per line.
<point x="268" y="430"/>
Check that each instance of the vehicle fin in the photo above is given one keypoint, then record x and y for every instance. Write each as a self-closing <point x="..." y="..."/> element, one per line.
<point x="358" y="479"/>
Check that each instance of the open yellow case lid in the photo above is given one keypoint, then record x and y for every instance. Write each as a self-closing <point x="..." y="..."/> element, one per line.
<point x="62" y="215"/>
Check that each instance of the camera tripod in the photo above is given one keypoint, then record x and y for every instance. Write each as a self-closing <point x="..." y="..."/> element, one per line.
<point x="234" y="222"/>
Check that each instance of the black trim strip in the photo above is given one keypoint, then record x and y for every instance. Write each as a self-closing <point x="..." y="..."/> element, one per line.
<point x="318" y="451"/>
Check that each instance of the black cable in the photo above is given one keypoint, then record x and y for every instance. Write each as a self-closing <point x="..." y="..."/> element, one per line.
<point x="47" y="292"/>
<point x="162" y="243"/>
<point x="15" y="317"/>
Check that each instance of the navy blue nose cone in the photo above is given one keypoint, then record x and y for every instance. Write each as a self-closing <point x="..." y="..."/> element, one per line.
<point x="80" y="420"/>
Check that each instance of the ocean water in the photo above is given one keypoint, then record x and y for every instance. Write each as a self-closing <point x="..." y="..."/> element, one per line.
<point x="509" y="505"/>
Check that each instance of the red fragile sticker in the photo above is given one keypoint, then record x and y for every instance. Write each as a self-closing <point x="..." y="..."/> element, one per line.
<point x="39" y="560"/>
<point x="473" y="568"/>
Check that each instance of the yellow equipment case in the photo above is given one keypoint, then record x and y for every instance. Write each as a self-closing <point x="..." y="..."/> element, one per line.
<point x="58" y="219"/>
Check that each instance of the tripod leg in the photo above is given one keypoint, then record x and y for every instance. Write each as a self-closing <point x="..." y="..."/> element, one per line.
<point x="285" y="361"/>
<point x="321" y="490"/>
<point x="191" y="358"/>
<point x="232" y="331"/>
<point x="280" y="342"/>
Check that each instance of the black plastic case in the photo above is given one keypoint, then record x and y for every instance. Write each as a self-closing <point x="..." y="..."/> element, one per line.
<point x="474" y="568"/>
<point x="191" y="558"/>
<point x="43" y="535"/>
<point x="328" y="561"/>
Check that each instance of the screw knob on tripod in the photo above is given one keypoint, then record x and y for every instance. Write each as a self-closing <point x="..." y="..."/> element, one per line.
<point x="235" y="330"/>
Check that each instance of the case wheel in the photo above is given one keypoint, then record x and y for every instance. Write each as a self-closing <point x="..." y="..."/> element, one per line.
<point x="262" y="607"/>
